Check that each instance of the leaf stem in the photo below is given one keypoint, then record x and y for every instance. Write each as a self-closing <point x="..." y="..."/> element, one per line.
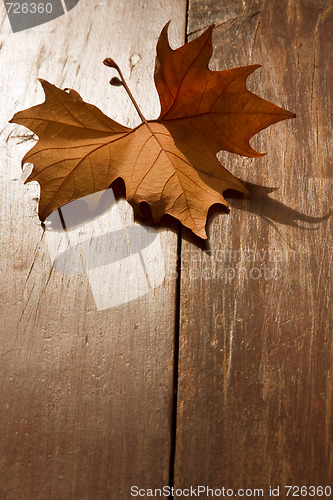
<point x="112" y="64"/>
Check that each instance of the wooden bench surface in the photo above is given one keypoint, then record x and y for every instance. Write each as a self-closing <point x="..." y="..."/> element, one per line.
<point x="222" y="377"/>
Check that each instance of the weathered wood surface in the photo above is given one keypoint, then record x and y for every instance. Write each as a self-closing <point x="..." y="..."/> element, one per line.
<point x="86" y="395"/>
<point x="255" y="359"/>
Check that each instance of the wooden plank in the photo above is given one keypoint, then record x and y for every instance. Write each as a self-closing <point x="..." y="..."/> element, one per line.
<point x="255" y="360"/>
<point x="86" y="394"/>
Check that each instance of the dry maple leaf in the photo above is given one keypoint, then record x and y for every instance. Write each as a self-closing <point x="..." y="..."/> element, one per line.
<point x="171" y="162"/>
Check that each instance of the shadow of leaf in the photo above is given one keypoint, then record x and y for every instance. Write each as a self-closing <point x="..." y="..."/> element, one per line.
<point x="261" y="204"/>
<point x="272" y="211"/>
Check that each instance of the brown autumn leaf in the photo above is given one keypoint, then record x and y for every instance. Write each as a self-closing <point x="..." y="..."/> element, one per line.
<point x="171" y="162"/>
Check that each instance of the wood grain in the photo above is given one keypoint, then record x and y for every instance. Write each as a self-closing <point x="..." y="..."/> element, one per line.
<point x="256" y="351"/>
<point x="86" y="395"/>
